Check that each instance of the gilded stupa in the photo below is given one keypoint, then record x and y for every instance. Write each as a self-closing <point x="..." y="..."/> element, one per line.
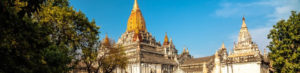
<point x="136" y="22"/>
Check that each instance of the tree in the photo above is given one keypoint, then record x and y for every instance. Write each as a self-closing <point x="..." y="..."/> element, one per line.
<point x="41" y="36"/>
<point x="89" y="55"/>
<point x="285" y="45"/>
<point x="114" y="57"/>
<point x="22" y="40"/>
<point x="71" y="29"/>
<point x="104" y="58"/>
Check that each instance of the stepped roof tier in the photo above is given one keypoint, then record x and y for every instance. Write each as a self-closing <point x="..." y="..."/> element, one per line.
<point x="245" y="50"/>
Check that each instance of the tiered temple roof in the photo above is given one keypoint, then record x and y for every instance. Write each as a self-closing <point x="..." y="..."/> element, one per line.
<point x="245" y="50"/>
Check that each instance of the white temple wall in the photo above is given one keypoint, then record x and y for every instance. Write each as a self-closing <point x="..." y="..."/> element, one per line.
<point x="158" y="68"/>
<point x="151" y="68"/>
<point x="131" y="68"/>
<point x="119" y="70"/>
<point x="226" y="69"/>
<point x="136" y="68"/>
<point x="249" y="67"/>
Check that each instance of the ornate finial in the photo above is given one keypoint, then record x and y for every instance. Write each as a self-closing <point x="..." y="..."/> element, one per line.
<point x="106" y="40"/>
<point x="166" y="40"/>
<point x="135" y="6"/>
<point x="217" y="53"/>
<point x="183" y="50"/>
<point x="244" y="24"/>
<point x="187" y="50"/>
<point x="223" y="46"/>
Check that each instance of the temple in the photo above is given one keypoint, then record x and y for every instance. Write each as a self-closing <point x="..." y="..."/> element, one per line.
<point x="146" y="55"/>
<point x="245" y="58"/>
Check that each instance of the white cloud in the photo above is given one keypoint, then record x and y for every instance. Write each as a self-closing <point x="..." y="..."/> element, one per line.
<point x="227" y="10"/>
<point x="280" y="8"/>
<point x="276" y="10"/>
<point x="259" y="36"/>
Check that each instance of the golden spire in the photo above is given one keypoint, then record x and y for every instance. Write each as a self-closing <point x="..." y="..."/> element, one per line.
<point x="223" y="46"/>
<point x="166" y="40"/>
<point x="106" y="41"/>
<point x="135" y="6"/>
<point x="244" y="24"/>
<point x="244" y="34"/>
<point x="217" y="54"/>
<point x="187" y="50"/>
<point x="183" y="50"/>
<point x="136" y="20"/>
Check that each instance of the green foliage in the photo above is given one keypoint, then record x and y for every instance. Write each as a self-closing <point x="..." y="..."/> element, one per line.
<point x="107" y="56"/>
<point x="21" y="39"/>
<point x="41" y="36"/>
<point x="285" y="45"/>
<point x="116" y="57"/>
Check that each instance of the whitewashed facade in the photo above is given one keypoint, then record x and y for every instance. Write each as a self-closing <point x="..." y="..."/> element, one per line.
<point x="245" y="58"/>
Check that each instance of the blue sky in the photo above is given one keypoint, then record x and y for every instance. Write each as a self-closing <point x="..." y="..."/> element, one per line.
<point x="200" y="25"/>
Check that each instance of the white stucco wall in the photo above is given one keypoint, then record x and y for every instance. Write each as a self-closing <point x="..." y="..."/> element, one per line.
<point x="135" y="68"/>
<point x="226" y="69"/>
<point x="249" y="67"/>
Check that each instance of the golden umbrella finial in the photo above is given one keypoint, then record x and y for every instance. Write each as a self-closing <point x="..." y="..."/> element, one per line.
<point x="244" y="24"/>
<point x="106" y="41"/>
<point x="166" y="40"/>
<point x="223" y="46"/>
<point x="135" y="6"/>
